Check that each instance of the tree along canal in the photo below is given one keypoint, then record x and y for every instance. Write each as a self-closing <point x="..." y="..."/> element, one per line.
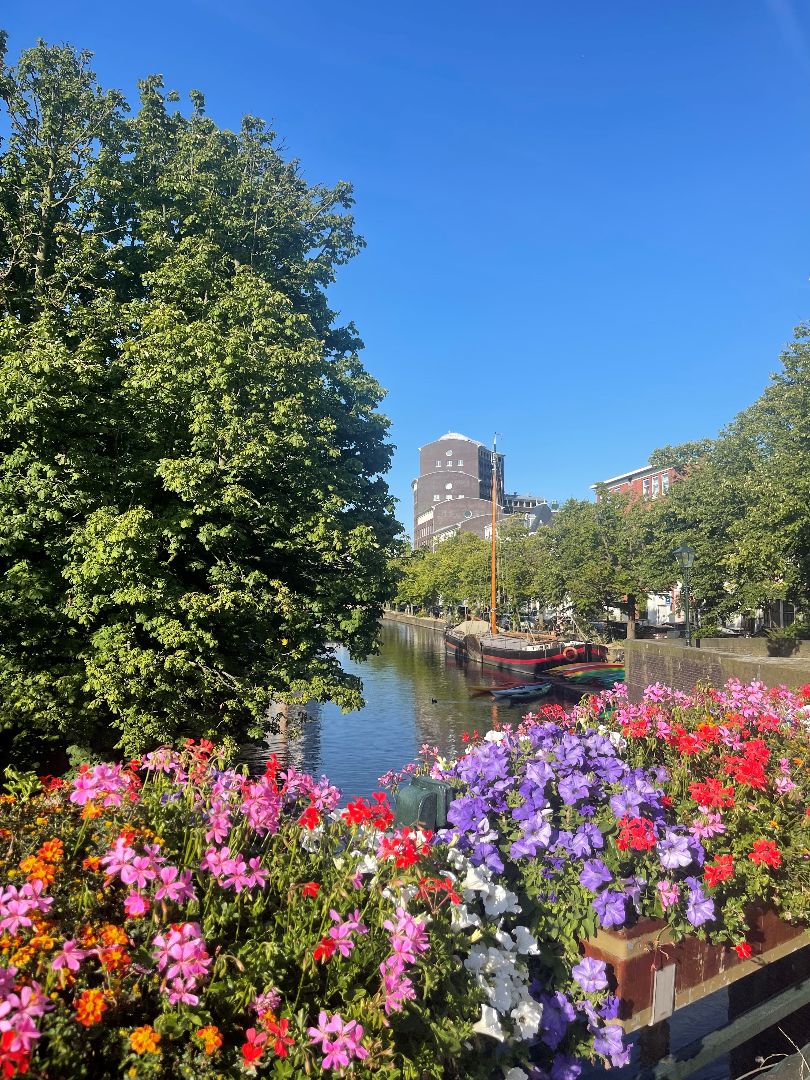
<point x="417" y="694"/>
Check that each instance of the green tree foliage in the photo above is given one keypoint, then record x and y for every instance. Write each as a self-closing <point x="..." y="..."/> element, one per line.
<point x="595" y="557"/>
<point x="191" y="497"/>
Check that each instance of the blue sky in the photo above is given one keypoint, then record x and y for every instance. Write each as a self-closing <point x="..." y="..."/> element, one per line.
<point x="587" y="223"/>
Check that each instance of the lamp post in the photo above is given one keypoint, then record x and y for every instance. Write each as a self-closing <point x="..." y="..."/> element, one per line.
<point x="686" y="557"/>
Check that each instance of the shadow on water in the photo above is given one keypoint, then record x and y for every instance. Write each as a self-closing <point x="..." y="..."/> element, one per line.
<point x="414" y="694"/>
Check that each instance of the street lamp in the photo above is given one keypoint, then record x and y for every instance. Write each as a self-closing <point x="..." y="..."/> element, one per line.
<point x="686" y="557"/>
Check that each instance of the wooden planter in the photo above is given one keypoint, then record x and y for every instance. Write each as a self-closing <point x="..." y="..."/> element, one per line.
<point x="654" y="976"/>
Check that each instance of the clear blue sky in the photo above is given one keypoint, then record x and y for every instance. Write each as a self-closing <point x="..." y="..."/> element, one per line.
<point x="587" y="222"/>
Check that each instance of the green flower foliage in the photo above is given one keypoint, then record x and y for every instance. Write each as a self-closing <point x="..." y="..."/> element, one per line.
<point x="192" y="507"/>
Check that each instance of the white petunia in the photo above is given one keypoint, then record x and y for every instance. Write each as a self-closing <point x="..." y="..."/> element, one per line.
<point x="499" y="900"/>
<point x="461" y="917"/>
<point x="489" y="1024"/>
<point x="527" y="1018"/>
<point x="526" y="942"/>
<point x="495" y="736"/>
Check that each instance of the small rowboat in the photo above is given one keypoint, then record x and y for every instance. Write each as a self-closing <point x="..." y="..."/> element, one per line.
<point x="524" y="692"/>
<point x="603" y="674"/>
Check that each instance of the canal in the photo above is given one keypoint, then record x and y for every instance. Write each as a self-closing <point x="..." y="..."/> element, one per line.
<point x="414" y="694"/>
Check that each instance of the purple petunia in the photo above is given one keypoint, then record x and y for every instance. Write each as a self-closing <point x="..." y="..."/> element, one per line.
<point x="674" y="850"/>
<point x="611" y="908"/>
<point x="594" y="873"/>
<point x="590" y="975"/>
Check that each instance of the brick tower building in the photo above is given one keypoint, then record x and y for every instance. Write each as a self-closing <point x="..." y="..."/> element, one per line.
<point x="453" y="492"/>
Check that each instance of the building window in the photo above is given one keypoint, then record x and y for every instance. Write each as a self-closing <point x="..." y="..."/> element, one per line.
<point x="448" y="487"/>
<point x="448" y="453"/>
<point x="664" y="483"/>
<point x="449" y="463"/>
<point x="645" y="486"/>
<point x="438" y="464"/>
<point x="436" y="498"/>
<point x="459" y="496"/>
<point x="448" y="497"/>
<point x="459" y="463"/>
<point x="656" y="482"/>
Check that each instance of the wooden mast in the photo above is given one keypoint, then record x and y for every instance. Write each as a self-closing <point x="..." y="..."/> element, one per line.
<point x="493" y="624"/>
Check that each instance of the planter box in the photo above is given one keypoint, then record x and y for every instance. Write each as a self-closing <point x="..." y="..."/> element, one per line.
<point x="635" y="956"/>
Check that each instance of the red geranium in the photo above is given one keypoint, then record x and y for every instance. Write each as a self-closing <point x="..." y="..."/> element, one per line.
<point x="253" y="1049"/>
<point x="278" y="1032"/>
<point x="766" y="852"/>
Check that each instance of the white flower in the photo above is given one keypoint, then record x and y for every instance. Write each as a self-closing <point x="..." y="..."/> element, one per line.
<point x="367" y="865"/>
<point x="477" y="879"/>
<point x="516" y="1074"/>
<point x="477" y="958"/>
<point x="501" y="995"/>
<point x="461" y="917"/>
<point x="489" y="1024"/>
<point x="498" y="900"/>
<point x="527" y="1018"/>
<point x="504" y="940"/>
<point x="495" y="736"/>
<point x="526" y="942"/>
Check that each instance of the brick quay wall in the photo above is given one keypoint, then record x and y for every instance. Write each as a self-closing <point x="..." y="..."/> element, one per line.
<point x="675" y="665"/>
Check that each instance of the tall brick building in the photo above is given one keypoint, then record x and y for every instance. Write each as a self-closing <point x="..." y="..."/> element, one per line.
<point x="454" y="489"/>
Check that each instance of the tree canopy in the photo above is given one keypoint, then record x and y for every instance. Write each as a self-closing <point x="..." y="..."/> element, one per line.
<point x="192" y="502"/>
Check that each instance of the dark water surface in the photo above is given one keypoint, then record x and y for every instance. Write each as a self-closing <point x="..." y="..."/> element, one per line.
<point x="414" y="694"/>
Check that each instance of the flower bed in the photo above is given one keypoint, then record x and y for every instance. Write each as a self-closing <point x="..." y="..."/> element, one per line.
<point x="687" y="809"/>
<point x="175" y="918"/>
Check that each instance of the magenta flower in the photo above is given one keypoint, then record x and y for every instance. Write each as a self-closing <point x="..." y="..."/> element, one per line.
<point x="70" y="956"/>
<point x="117" y="857"/>
<point x="138" y="872"/>
<point x="668" y="893"/>
<point x="174" y="885"/>
<point x="136" y="905"/>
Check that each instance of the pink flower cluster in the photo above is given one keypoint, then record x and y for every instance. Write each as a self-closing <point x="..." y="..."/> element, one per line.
<point x="142" y="871"/>
<point x="339" y="1040"/>
<point x="408" y="939"/>
<point x="20" y="1008"/>
<point x="342" y="932"/>
<point x="183" y="958"/>
<point x="105" y="783"/>
<point x="16" y="904"/>
<point x="232" y="872"/>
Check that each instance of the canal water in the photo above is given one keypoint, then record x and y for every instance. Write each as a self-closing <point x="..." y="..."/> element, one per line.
<point x="416" y="694"/>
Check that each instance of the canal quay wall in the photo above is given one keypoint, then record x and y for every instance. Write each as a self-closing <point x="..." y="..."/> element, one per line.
<point x="675" y="665"/>
<point x="415" y="620"/>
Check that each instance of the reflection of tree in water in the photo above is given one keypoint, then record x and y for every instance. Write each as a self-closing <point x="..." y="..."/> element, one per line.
<point x="414" y="694"/>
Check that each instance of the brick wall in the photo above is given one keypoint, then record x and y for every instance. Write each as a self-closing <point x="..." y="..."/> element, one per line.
<point x="681" y="668"/>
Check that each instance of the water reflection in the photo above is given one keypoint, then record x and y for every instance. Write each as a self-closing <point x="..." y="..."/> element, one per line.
<point x="414" y="694"/>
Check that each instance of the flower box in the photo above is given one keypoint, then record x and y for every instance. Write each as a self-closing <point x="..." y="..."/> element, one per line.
<point x="635" y="954"/>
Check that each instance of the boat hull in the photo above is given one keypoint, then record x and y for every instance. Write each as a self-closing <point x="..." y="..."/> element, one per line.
<point x="529" y="661"/>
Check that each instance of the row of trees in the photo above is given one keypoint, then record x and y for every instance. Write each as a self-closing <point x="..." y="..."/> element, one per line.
<point x="191" y="497"/>
<point x="743" y="503"/>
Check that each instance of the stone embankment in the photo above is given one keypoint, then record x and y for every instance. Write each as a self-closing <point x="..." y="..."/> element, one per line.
<point x="415" y="620"/>
<point x="682" y="668"/>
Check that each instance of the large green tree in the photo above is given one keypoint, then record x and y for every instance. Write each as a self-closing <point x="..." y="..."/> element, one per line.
<point x="192" y="507"/>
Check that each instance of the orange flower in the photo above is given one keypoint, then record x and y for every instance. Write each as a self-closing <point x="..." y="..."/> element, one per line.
<point x="52" y="850"/>
<point x="144" y="1040"/>
<point x="90" y="1007"/>
<point x="37" y="870"/>
<point x="210" y="1037"/>
<point x="90" y="811"/>
<point x="92" y="862"/>
<point x="114" y="959"/>
<point x="113" y="935"/>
